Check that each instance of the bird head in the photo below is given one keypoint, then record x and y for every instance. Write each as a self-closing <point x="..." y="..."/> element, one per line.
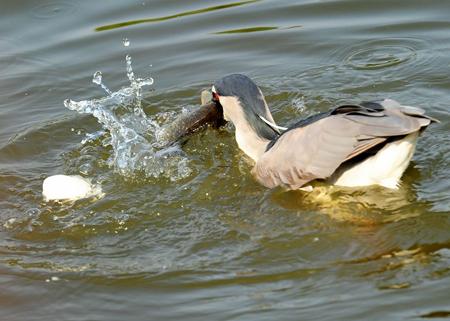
<point x="243" y="101"/>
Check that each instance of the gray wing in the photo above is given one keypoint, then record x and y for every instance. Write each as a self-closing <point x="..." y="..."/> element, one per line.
<point x="316" y="150"/>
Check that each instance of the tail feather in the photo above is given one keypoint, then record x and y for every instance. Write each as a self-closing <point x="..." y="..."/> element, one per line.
<point x="407" y="110"/>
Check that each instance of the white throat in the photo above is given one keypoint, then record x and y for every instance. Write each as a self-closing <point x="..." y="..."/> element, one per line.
<point x="247" y="139"/>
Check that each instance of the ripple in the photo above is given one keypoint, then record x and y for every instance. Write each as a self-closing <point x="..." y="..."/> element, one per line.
<point x="7" y="58"/>
<point x="380" y="57"/>
<point x="370" y="66"/>
<point x="27" y="81"/>
<point x="55" y="9"/>
<point x="396" y="58"/>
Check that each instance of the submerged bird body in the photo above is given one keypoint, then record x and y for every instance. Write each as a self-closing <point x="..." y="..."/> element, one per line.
<point x="370" y="143"/>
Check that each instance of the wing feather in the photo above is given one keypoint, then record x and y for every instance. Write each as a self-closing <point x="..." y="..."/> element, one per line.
<point x="315" y="151"/>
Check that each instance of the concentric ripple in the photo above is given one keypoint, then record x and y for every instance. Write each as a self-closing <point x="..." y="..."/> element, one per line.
<point x="396" y="58"/>
<point x="380" y="57"/>
<point x="371" y="66"/>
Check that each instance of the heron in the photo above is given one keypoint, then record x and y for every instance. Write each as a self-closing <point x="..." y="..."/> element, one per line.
<point x="353" y="145"/>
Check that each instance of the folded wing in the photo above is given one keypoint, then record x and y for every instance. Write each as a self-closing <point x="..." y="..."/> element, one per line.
<point x="314" y="149"/>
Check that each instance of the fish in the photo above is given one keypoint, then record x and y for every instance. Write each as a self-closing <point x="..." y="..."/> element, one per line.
<point x="209" y="113"/>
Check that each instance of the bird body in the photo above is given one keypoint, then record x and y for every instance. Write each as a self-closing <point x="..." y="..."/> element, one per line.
<point x="370" y="143"/>
<point x="385" y="168"/>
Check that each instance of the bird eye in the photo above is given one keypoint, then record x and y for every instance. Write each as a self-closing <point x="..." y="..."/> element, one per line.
<point x="215" y="96"/>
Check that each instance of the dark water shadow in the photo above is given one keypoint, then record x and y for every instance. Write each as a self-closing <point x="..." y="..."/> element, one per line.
<point x="174" y="16"/>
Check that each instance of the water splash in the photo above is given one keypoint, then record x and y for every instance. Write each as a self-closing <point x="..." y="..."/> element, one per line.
<point x="97" y="79"/>
<point x="298" y="103"/>
<point x="135" y="138"/>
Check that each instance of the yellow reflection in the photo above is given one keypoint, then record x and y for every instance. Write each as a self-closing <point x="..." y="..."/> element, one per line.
<point x="363" y="206"/>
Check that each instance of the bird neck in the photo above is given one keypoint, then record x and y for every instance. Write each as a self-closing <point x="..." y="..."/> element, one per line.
<point x="249" y="141"/>
<point x="252" y="134"/>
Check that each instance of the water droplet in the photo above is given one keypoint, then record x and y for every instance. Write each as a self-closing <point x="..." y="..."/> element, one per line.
<point x="131" y="133"/>
<point x="130" y="73"/>
<point x="126" y="42"/>
<point x="97" y="78"/>
<point x="299" y="104"/>
<point x="146" y="81"/>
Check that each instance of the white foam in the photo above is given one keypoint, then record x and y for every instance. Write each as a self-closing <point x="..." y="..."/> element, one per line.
<point x="65" y="187"/>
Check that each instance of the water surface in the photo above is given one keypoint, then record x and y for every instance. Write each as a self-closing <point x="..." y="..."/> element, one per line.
<point x="202" y="240"/>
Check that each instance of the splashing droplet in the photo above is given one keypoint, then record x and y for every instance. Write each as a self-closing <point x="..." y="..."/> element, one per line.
<point x="133" y="136"/>
<point x="299" y="104"/>
<point x="97" y="79"/>
<point x="67" y="104"/>
<point x="126" y="42"/>
<point x="130" y="72"/>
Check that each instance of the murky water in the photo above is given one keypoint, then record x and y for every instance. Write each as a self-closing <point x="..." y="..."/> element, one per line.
<point x="186" y="232"/>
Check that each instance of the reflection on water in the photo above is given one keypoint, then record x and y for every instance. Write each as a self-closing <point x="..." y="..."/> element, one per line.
<point x="175" y="16"/>
<point x="253" y="29"/>
<point x="246" y="30"/>
<point x="361" y="206"/>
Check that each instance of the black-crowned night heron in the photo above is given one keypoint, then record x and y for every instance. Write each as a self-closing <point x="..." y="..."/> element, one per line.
<point x="370" y="143"/>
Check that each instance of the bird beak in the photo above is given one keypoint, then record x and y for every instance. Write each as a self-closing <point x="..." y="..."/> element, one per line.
<point x="215" y="95"/>
<point x="216" y="100"/>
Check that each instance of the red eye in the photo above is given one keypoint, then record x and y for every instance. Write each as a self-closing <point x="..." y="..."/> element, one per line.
<point x="215" y="96"/>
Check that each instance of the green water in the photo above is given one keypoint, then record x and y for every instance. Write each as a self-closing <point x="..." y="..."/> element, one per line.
<point x="213" y="244"/>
